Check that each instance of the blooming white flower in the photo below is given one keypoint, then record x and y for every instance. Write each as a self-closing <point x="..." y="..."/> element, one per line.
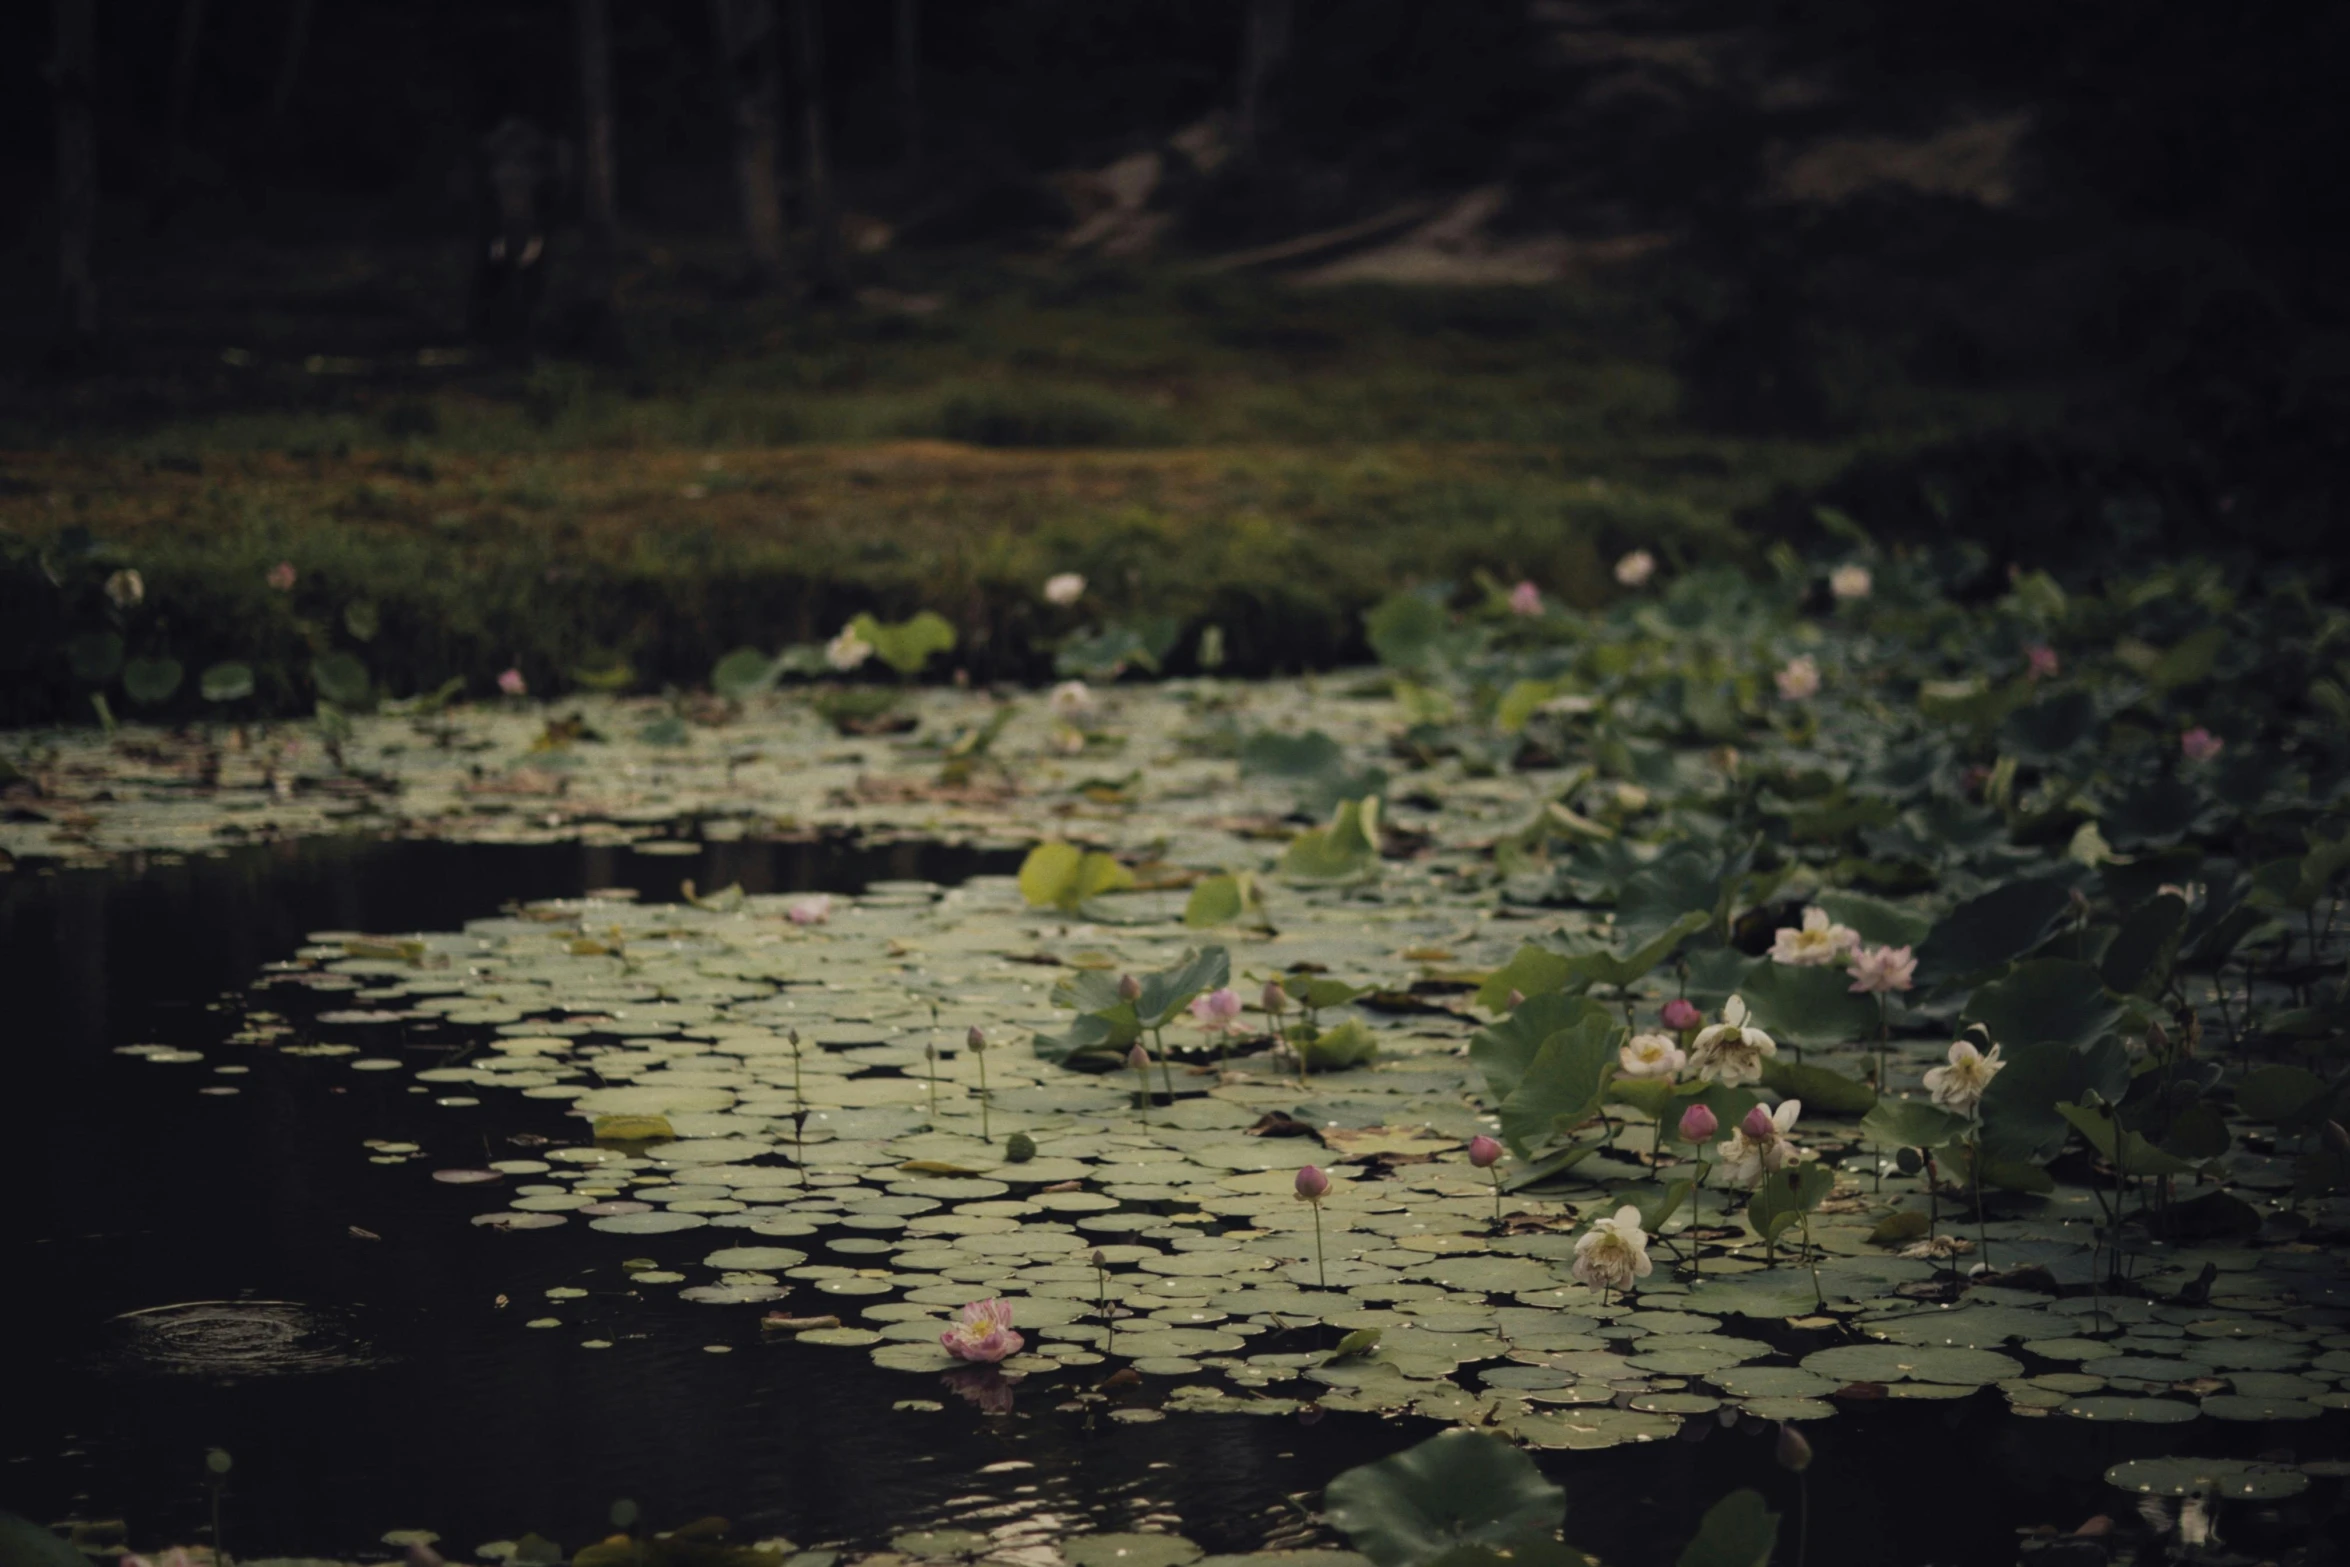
<point x="1651" y="1055"/>
<point x="1959" y="1086"/>
<point x="1071" y="700"/>
<point x="846" y="651"/>
<point x="1065" y="588"/>
<point x="1799" y="678"/>
<point x="811" y="911"/>
<point x="1729" y="1052"/>
<point x="1817" y="942"/>
<point x="1851" y="582"/>
<point x="1613" y="1252"/>
<point x="1879" y="971"/>
<point x="1747" y="1157"/>
<point x="1635" y="568"/>
<point x="126" y="588"/>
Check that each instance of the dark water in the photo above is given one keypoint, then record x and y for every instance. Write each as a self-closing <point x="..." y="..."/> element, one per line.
<point x="426" y="1406"/>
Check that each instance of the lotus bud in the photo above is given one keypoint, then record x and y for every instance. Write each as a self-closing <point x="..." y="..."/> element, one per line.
<point x="1129" y="988"/>
<point x="1312" y="1184"/>
<point x="1099" y="1260"/>
<point x="1517" y="999"/>
<point x="1794" y="1452"/>
<point x="1681" y="1015"/>
<point x="1138" y="1058"/>
<point x="1698" y="1124"/>
<point x="1483" y="1151"/>
<point x="1759" y="1125"/>
<point x="977" y="1038"/>
<point x="1275" y="1000"/>
<point x="2338" y="1136"/>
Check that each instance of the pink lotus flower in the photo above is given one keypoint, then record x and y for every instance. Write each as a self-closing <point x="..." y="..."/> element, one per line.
<point x="1525" y="599"/>
<point x="1698" y="1124"/>
<point x="1483" y="1151"/>
<point x="1312" y="1184"/>
<point x="281" y="576"/>
<point x="1680" y="1015"/>
<point x="2043" y="661"/>
<point x="512" y="683"/>
<point x="811" y="911"/>
<point x="1216" y="1010"/>
<point x="984" y="1334"/>
<point x="2200" y="744"/>
<point x="1878" y="971"/>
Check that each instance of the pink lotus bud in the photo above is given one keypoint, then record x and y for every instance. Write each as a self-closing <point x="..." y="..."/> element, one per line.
<point x="1698" y="1124"/>
<point x="281" y="576"/>
<point x="1525" y="599"/>
<point x="1275" y="999"/>
<point x="1139" y="1058"/>
<point x="1312" y="1183"/>
<point x="976" y="1039"/>
<point x="1216" y="1009"/>
<point x="1129" y="988"/>
<point x="1517" y="999"/>
<point x="2200" y="744"/>
<point x="2043" y="660"/>
<point x="1794" y="1452"/>
<point x="811" y="911"/>
<point x="1759" y="1125"/>
<point x="1680" y="1015"/>
<point x="1483" y="1151"/>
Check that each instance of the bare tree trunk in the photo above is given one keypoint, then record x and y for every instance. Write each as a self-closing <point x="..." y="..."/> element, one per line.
<point x="71" y="74"/>
<point x="748" y="65"/>
<point x="909" y="42"/>
<point x="289" y="61"/>
<point x="597" y="194"/>
<point x="1264" y="41"/>
<point x="815" y="161"/>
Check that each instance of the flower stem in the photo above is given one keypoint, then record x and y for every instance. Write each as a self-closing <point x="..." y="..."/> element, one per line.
<point x="1496" y="1174"/>
<point x="1166" y="1071"/>
<point x="985" y="1135"/>
<point x="1321" y="1264"/>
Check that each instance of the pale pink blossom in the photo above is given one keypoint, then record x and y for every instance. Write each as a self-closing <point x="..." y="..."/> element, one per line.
<point x="984" y="1333"/>
<point x="1959" y="1086"/>
<point x="281" y="576"/>
<point x="511" y="682"/>
<point x="1681" y="1015"/>
<point x="1217" y="1010"/>
<point x="1761" y="1144"/>
<point x="2042" y="661"/>
<point x="2200" y="744"/>
<point x="1636" y="568"/>
<point x="1614" y="1252"/>
<point x="1525" y="599"/>
<point x="1729" y="1052"/>
<point x="1818" y="941"/>
<point x="1071" y="700"/>
<point x="1879" y="971"/>
<point x="1799" y="678"/>
<point x="1064" y="588"/>
<point x="1851" y="582"/>
<point x="811" y="911"/>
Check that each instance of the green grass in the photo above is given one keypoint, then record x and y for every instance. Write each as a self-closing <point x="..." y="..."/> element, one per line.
<point x="751" y="472"/>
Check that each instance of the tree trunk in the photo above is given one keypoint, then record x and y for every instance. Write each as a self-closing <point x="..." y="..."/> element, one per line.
<point x="289" y="60"/>
<point x="748" y="67"/>
<point x="909" y="41"/>
<point x="598" y="199"/>
<point x="815" y="162"/>
<point x="1264" y="41"/>
<point x="71" y="79"/>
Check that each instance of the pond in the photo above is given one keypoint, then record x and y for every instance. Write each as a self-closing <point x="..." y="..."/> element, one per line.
<point x="353" y="1343"/>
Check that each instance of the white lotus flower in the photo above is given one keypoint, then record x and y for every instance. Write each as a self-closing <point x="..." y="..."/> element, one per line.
<point x="1651" y="1055"/>
<point x="1729" y="1052"/>
<point x="846" y="651"/>
<point x="1799" y="678"/>
<point x="1761" y="1145"/>
<point x="1071" y="700"/>
<point x="1635" y="568"/>
<point x="1959" y="1086"/>
<point x="1851" y="582"/>
<point x="1064" y="588"/>
<point x="1613" y="1252"/>
<point x="1817" y="943"/>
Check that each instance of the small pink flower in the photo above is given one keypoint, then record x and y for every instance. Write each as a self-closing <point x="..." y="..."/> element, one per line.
<point x="512" y="683"/>
<point x="2043" y="660"/>
<point x="811" y="911"/>
<point x="1216" y="1010"/>
<point x="1515" y="1000"/>
<point x="281" y="576"/>
<point x="1138" y="1058"/>
<point x="2200" y="744"/>
<point x="1799" y="678"/>
<point x="1129" y="988"/>
<point x="1878" y="971"/>
<point x="984" y="1334"/>
<point x="1275" y="1000"/>
<point x="1525" y="599"/>
<point x="1680" y="1015"/>
<point x="1483" y="1151"/>
<point x="1312" y="1184"/>
<point x="1698" y="1124"/>
<point x="976" y="1039"/>
<point x="1758" y="1124"/>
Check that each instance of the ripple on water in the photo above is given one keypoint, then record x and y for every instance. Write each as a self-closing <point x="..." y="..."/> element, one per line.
<point x="240" y="1338"/>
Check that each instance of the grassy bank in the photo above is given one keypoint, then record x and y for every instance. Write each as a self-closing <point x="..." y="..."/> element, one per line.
<point x="750" y="473"/>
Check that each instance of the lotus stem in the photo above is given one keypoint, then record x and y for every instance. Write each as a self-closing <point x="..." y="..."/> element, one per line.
<point x="1321" y="1263"/>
